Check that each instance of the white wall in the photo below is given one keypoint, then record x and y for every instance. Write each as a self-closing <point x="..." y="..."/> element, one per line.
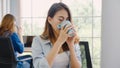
<point x="15" y="9"/>
<point x="4" y="8"/>
<point x="0" y="10"/>
<point x="110" y="34"/>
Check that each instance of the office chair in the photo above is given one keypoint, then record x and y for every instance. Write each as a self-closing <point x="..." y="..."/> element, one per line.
<point x="85" y="54"/>
<point x="7" y="56"/>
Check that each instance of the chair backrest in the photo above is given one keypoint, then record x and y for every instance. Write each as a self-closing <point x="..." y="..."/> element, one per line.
<point x="7" y="56"/>
<point x="85" y="54"/>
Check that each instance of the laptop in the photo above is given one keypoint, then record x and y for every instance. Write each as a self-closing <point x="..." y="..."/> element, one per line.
<point x="27" y="43"/>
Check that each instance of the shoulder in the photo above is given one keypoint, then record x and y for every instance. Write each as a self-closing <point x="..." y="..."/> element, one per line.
<point x="41" y="40"/>
<point x="14" y="35"/>
<point x="37" y="38"/>
<point x="39" y="43"/>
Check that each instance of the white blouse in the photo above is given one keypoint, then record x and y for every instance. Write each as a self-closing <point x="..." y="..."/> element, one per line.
<point x="41" y="48"/>
<point x="61" y="61"/>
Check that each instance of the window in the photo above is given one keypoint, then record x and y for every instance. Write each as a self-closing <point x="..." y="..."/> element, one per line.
<point x="86" y="15"/>
<point x="35" y="15"/>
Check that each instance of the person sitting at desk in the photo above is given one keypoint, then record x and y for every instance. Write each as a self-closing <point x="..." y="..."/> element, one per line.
<point x="7" y="29"/>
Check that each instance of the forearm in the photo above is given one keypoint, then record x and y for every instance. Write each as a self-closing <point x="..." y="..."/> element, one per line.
<point x="54" y="51"/>
<point x="20" y="33"/>
<point x="74" y="60"/>
<point x="21" y="37"/>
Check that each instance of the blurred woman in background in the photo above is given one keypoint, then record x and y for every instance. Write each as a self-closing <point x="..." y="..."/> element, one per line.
<point x="8" y="29"/>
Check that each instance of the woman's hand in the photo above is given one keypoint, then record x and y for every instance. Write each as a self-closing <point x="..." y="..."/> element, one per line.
<point x="19" y="28"/>
<point x="72" y="40"/>
<point x="63" y="36"/>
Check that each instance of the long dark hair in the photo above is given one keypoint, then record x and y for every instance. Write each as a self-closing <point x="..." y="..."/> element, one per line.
<point x="48" y="32"/>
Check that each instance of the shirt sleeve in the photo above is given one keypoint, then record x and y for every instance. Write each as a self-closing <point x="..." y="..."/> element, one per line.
<point x="39" y="60"/>
<point x="78" y="54"/>
<point x="18" y="45"/>
<point x="77" y="51"/>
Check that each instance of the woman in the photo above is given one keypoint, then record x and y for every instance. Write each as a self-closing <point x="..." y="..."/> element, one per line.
<point x="8" y="29"/>
<point x="56" y="48"/>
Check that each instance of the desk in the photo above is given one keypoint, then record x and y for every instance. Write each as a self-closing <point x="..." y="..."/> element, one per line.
<point x="27" y="51"/>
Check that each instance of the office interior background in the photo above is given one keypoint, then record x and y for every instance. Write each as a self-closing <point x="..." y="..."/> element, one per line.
<point x="86" y="14"/>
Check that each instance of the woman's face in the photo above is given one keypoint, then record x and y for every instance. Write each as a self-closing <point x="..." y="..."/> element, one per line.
<point x="60" y="16"/>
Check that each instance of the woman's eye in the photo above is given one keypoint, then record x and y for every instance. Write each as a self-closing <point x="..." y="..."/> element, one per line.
<point x="60" y="19"/>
